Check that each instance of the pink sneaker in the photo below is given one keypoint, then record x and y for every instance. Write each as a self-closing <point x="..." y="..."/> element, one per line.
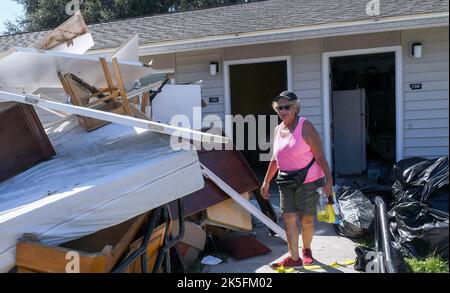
<point x="288" y="262"/>
<point x="307" y="256"/>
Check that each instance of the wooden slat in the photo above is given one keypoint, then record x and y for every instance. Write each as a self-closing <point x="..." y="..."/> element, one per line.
<point x="121" y="87"/>
<point x="68" y="89"/>
<point x="99" y="92"/>
<point x="99" y="101"/>
<point x="107" y="74"/>
<point x="138" y="114"/>
<point x="144" y="102"/>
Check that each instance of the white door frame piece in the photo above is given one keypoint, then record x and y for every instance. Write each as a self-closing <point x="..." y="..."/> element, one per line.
<point x="36" y="100"/>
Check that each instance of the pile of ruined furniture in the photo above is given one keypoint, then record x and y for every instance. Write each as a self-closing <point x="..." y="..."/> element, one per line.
<point x="103" y="188"/>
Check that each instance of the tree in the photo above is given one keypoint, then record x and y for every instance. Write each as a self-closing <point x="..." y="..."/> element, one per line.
<point x="48" y="14"/>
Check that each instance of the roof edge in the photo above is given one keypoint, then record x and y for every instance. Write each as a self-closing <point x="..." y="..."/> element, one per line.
<point x="296" y="33"/>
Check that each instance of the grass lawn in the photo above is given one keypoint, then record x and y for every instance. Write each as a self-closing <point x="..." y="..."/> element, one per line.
<point x="430" y="265"/>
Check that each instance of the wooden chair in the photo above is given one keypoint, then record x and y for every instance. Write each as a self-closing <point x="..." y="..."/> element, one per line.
<point x="113" y="98"/>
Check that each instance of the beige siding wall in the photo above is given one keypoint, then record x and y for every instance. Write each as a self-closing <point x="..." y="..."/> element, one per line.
<point x="307" y="80"/>
<point x="257" y="51"/>
<point x="194" y="66"/>
<point x="362" y="41"/>
<point x="426" y="111"/>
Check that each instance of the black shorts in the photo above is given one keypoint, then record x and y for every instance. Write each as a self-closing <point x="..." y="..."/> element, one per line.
<point x="302" y="200"/>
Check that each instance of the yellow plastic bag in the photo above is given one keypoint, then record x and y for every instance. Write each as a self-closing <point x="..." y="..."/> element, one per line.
<point x="325" y="211"/>
<point x="326" y="214"/>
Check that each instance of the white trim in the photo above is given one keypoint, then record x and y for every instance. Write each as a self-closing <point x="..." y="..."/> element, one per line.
<point x="36" y="100"/>
<point x="226" y="82"/>
<point x="398" y="99"/>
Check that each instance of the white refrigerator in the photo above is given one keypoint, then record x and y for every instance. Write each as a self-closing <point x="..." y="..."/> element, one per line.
<point x="349" y="131"/>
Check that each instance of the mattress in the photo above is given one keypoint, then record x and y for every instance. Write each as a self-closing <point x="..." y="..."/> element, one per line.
<point x="96" y="180"/>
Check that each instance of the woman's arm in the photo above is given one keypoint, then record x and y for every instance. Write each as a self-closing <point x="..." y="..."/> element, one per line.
<point x="271" y="171"/>
<point x="312" y="138"/>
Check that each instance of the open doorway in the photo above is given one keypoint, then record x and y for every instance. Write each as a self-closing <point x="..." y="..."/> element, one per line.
<point x="252" y="88"/>
<point x="363" y="108"/>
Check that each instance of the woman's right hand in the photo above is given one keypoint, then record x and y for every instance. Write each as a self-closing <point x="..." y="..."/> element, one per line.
<point x="265" y="190"/>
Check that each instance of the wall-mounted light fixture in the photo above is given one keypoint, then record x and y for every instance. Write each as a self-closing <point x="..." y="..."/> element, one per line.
<point x="416" y="50"/>
<point x="213" y="68"/>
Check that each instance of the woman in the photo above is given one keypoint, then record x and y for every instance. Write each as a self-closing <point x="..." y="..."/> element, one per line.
<point x="297" y="145"/>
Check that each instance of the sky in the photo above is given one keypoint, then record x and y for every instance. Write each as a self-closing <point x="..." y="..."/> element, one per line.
<point x="9" y="11"/>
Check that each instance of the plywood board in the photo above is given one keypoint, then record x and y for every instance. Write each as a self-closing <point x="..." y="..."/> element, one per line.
<point x="229" y="214"/>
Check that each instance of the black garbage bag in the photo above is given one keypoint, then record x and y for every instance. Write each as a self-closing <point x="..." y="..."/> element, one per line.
<point x="425" y="181"/>
<point x="420" y="230"/>
<point x="401" y="166"/>
<point x="419" y="215"/>
<point x="357" y="213"/>
<point x="397" y="258"/>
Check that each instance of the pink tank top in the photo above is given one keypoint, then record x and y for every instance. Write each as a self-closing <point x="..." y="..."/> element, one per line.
<point x="293" y="153"/>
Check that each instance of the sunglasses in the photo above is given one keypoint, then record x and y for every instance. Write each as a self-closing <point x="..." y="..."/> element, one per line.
<point x="285" y="107"/>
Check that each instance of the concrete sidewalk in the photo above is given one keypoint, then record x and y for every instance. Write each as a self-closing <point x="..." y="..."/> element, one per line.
<point x="327" y="248"/>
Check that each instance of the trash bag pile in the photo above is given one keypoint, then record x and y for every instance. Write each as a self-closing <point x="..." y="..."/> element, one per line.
<point x="419" y="220"/>
<point x="357" y="213"/>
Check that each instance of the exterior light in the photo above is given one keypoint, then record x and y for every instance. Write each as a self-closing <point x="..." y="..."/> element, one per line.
<point x="416" y="50"/>
<point x="213" y="68"/>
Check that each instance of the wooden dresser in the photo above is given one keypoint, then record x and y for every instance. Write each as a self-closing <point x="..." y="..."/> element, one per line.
<point x="23" y="141"/>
